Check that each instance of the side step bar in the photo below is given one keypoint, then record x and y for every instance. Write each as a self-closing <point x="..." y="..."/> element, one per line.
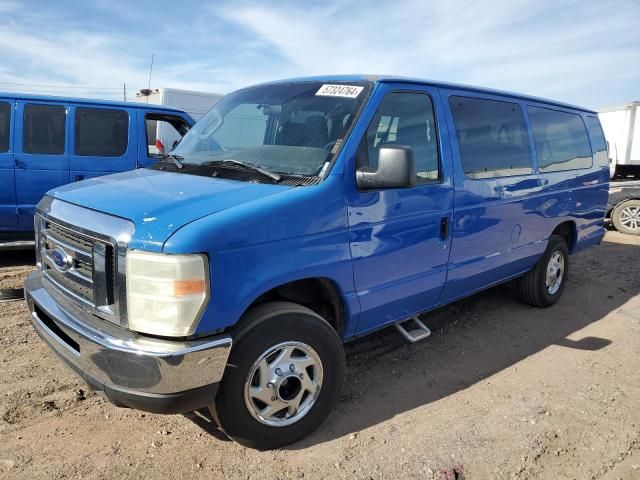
<point x="418" y="332"/>
<point x="17" y="245"/>
<point x="11" y="294"/>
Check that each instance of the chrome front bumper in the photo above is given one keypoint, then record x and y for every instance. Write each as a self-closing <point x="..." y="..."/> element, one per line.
<point x="132" y="370"/>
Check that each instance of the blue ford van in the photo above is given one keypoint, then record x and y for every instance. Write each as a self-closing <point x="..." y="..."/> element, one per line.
<point x="50" y="141"/>
<point x="296" y="216"/>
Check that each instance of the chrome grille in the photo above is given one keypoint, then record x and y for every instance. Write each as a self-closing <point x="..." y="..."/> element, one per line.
<point x="67" y="260"/>
<point x="91" y="247"/>
<point x="78" y="266"/>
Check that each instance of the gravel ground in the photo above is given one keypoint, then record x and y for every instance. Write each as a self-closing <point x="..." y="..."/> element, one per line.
<point x="499" y="391"/>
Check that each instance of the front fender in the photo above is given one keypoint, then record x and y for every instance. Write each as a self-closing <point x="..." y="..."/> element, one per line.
<point x="252" y="248"/>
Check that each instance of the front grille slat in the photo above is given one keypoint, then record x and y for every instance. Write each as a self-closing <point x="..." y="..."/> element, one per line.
<point x="76" y="290"/>
<point x="85" y="270"/>
<point x="81" y="254"/>
<point x="82" y="242"/>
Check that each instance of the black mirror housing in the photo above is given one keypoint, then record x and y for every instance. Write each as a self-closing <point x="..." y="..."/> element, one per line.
<point x="396" y="169"/>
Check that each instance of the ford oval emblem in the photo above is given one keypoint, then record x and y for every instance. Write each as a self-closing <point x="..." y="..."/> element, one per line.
<point x="60" y="259"/>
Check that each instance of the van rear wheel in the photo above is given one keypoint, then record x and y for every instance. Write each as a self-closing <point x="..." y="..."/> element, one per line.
<point x="283" y="377"/>
<point x="543" y="286"/>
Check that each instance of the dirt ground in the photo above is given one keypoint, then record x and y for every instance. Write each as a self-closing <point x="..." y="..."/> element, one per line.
<point x="499" y="391"/>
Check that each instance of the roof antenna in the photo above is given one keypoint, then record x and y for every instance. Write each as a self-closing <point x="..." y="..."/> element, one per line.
<point x="150" y="72"/>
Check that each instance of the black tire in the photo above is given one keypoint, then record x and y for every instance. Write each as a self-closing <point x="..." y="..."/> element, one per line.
<point x="622" y="210"/>
<point x="531" y="288"/>
<point x="260" y="329"/>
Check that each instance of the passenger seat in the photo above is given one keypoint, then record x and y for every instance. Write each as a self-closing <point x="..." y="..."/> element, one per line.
<point x="316" y="132"/>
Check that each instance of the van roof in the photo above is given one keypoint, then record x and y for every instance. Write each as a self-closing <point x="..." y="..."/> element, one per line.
<point x="86" y="101"/>
<point x="437" y="83"/>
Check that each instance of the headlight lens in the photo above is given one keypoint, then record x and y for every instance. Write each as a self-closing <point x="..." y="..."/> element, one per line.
<point x="165" y="293"/>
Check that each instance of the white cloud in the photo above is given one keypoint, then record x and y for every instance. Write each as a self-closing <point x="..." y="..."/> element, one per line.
<point x="585" y="52"/>
<point x="531" y="46"/>
<point x="59" y="47"/>
<point x="7" y="6"/>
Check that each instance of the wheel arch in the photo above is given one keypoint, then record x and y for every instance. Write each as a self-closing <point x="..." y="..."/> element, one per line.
<point x="319" y="294"/>
<point x="569" y="232"/>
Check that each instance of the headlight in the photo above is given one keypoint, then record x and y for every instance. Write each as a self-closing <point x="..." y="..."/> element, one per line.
<point x="165" y="293"/>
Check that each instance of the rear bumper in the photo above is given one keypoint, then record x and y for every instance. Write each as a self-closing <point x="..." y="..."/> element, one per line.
<point x="131" y="370"/>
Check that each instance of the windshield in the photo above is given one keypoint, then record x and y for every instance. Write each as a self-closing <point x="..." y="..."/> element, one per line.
<point x="289" y="128"/>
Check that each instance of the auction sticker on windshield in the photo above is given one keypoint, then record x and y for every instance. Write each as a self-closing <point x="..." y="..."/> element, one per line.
<point x="348" y="91"/>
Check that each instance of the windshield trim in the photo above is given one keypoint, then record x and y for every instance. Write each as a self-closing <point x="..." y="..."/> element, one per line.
<point x="369" y="86"/>
<point x="368" y="89"/>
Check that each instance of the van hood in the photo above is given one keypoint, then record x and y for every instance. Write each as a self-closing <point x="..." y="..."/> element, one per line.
<point x="158" y="202"/>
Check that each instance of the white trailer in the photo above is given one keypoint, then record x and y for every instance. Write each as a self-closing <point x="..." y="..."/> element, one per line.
<point x="621" y="127"/>
<point x="161" y="135"/>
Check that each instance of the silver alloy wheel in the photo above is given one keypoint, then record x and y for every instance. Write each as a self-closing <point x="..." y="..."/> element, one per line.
<point x="555" y="272"/>
<point x="283" y="384"/>
<point x="630" y="218"/>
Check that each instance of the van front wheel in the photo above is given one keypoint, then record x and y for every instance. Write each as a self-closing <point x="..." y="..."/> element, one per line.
<point x="542" y="286"/>
<point x="283" y="377"/>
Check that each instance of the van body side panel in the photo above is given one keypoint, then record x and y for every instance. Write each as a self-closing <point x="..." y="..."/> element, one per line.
<point x="493" y="238"/>
<point x="254" y="247"/>
<point x="578" y="196"/>
<point x="399" y="257"/>
<point x="596" y="189"/>
<point x="8" y="210"/>
<point x="37" y="173"/>
<point x="501" y="225"/>
<point x="95" y="165"/>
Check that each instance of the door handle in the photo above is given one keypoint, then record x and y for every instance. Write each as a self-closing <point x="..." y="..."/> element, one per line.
<point x="444" y="228"/>
<point x="19" y="163"/>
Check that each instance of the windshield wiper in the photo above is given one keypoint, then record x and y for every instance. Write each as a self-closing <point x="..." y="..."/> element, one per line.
<point x="174" y="158"/>
<point x="249" y="166"/>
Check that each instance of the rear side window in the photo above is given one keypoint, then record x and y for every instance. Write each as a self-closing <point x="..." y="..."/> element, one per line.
<point x="406" y="118"/>
<point x="598" y="142"/>
<point x="5" y="126"/>
<point x="492" y="136"/>
<point x="561" y="140"/>
<point x="101" y="133"/>
<point x="44" y="129"/>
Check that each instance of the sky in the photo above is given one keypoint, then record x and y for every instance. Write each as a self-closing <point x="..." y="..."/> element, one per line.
<point x="583" y="52"/>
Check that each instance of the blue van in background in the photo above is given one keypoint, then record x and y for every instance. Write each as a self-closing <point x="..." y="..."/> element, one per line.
<point x="301" y="214"/>
<point x="46" y="142"/>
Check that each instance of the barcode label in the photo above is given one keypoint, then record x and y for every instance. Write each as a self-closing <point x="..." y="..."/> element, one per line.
<point x="347" y="91"/>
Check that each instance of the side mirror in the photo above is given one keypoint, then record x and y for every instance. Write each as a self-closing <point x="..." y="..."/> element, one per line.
<point x="396" y="169"/>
